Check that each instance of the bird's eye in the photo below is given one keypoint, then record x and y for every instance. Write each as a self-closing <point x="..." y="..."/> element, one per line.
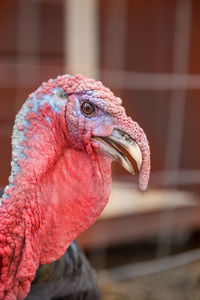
<point x="88" y="108"/>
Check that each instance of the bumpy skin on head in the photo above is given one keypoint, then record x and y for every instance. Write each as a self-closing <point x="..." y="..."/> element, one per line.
<point x="60" y="182"/>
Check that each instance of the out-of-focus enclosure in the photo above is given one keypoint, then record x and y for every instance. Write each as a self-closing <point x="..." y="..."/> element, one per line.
<point x="144" y="246"/>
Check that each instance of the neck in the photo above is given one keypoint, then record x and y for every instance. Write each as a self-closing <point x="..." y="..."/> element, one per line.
<point x="53" y="196"/>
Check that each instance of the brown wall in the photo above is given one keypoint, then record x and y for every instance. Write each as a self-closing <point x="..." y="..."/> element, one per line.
<point x="149" y="47"/>
<point x="31" y="51"/>
<point x="135" y="36"/>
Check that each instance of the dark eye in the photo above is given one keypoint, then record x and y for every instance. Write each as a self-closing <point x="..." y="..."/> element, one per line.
<point x="88" y="108"/>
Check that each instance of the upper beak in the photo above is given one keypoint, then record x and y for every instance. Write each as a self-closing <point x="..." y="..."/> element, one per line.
<point x="111" y="145"/>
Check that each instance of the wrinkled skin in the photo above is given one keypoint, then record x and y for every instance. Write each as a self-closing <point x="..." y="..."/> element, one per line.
<point x="61" y="178"/>
<point x="68" y="278"/>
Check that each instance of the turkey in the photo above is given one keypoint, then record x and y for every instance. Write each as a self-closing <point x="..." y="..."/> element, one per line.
<point x="68" y="278"/>
<point x="65" y="137"/>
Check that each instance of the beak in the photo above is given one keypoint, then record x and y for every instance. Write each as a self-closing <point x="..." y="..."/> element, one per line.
<point x="110" y="145"/>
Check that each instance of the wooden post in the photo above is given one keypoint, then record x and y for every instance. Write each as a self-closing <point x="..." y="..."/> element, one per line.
<point x="81" y="37"/>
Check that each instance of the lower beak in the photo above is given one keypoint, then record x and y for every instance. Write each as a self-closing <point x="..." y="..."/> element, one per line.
<point x="110" y="145"/>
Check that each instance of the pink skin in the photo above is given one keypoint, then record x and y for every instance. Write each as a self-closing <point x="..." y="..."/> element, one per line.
<point x="64" y="182"/>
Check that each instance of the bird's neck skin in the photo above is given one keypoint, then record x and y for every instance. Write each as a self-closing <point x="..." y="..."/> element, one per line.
<point x="56" y="193"/>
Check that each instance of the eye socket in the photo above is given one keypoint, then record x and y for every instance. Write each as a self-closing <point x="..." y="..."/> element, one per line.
<point x="88" y="108"/>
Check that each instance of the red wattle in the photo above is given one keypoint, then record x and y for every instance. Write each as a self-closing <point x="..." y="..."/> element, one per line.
<point x="58" y="193"/>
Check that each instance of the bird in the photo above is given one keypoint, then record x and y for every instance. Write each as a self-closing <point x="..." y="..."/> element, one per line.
<point x="72" y="270"/>
<point x="65" y="137"/>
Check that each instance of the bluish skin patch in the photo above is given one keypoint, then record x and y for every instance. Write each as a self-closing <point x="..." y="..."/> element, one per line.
<point x="46" y="98"/>
<point x="57" y="100"/>
<point x="101" y="120"/>
<point x="54" y="101"/>
<point x="48" y="119"/>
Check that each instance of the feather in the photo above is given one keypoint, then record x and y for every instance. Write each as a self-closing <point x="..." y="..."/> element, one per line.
<point x="68" y="278"/>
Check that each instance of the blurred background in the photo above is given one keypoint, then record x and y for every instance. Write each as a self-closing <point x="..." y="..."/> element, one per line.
<point x="144" y="246"/>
